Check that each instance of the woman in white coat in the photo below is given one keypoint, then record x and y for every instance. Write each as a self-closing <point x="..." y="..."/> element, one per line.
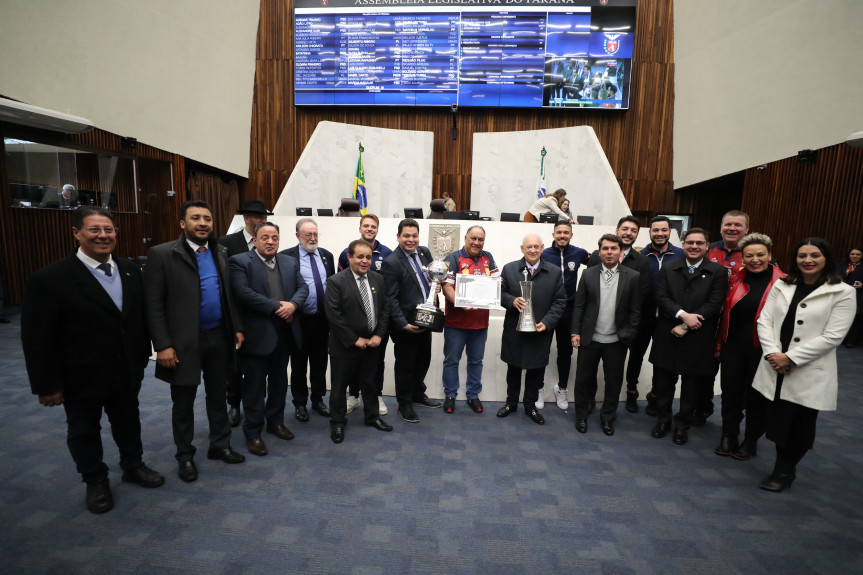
<point x="805" y="318"/>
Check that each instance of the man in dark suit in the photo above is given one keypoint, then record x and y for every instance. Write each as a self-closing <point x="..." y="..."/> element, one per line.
<point x="689" y="296"/>
<point x="269" y="290"/>
<point x="195" y="329"/>
<point x="358" y="313"/>
<point x="316" y="265"/>
<point x="605" y="320"/>
<point x="408" y="286"/>
<point x="254" y="212"/>
<point x="86" y="346"/>
<point x="529" y="350"/>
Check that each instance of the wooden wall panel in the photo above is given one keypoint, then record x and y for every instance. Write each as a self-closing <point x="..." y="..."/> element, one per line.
<point x="638" y="142"/>
<point x="797" y="200"/>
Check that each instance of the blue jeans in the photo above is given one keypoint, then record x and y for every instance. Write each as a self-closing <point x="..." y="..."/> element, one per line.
<point x="454" y="343"/>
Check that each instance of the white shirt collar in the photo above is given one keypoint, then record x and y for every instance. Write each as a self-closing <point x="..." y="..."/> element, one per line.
<point x="195" y="246"/>
<point x="91" y="262"/>
<point x="248" y="237"/>
<point x="270" y="264"/>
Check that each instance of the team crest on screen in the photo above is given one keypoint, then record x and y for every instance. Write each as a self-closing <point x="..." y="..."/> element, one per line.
<point x="603" y="2"/>
<point x="611" y="43"/>
<point x="571" y="265"/>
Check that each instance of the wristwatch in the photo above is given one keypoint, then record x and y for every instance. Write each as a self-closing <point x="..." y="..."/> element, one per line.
<point x="684" y="327"/>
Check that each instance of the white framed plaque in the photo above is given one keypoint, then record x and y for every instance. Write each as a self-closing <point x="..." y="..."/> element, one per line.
<point x="482" y="292"/>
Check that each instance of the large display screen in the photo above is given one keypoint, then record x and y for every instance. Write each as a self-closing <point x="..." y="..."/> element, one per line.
<point x="482" y="53"/>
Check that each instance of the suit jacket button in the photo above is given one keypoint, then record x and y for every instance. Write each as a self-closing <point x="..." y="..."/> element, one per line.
<point x="802" y="305"/>
<point x="796" y="339"/>
<point x="799" y="322"/>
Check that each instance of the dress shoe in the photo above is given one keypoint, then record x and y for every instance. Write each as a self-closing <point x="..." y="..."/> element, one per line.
<point x="475" y="404"/>
<point x="727" y="444"/>
<point x="536" y="416"/>
<point x="632" y="401"/>
<point x="699" y="418"/>
<point x="227" y="455"/>
<point x="337" y="434"/>
<point x="506" y="410"/>
<point x="449" y="405"/>
<point x="660" y="429"/>
<point x="681" y="436"/>
<point x="143" y="476"/>
<point x="581" y="425"/>
<point x="777" y="482"/>
<point x="280" y="431"/>
<point x="745" y="451"/>
<point x="380" y="425"/>
<point x="321" y="408"/>
<point x="426" y="401"/>
<point x="188" y="472"/>
<point x="651" y="408"/>
<point x="607" y="428"/>
<point x="408" y="414"/>
<point x="234" y="416"/>
<point x="99" y="498"/>
<point x="256" y="446"/>
<point x="302" y="413"/>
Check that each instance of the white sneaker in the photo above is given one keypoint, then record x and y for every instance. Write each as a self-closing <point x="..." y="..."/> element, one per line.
<point x="560" y="394"/>
<point x="382" y="407"/>
<point x="353" y="403"/>
<point x="540" y="402"/>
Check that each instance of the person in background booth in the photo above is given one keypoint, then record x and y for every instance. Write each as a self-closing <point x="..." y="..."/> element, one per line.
<point x="852" y="274"/>
<point x="805" y="318"/>
<point x="449" y="203"/>
<point x="739" y="350"/>
<point x="564" y="207"/>
<point x="549" y="204"/>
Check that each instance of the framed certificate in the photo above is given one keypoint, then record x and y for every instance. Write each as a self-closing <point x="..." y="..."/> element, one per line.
<point x="481" y="292"/>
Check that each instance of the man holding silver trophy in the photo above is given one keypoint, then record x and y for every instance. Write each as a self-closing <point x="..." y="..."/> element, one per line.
<point x="534" y="297"/>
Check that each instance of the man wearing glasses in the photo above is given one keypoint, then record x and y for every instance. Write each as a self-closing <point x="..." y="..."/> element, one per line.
<point x="689" y="296"/>
<point x="85" y="346"/>
<point x="316" y="265"/>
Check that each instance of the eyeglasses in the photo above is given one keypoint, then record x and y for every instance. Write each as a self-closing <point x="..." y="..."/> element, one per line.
<point x="694" y="243"/>
<point x="309" y="236"/>
<point x="95" y="231"/>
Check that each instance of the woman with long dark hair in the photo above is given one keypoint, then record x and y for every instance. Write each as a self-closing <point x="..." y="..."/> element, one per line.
<point x="739" y="349"/>
<point x="851" y="272"/>
<point x="805" y="318"/>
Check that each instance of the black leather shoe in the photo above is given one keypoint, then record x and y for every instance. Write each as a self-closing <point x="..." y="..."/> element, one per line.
<point x="632" y="401"/>
<point x="449" y="405"/>
<point x="234" y="416"/>
<point x="256" y="446"/>
<point x="380" y="425"/>
<point x="651" y="409"/>
<point x="506" y="410"/>
<point x="227" y="455"/>
<point x="475" y="405"/>
<point x="188" y="472"/>
<point x="321" y="408"/>
<point x="337" y="434"/>
<point x="143" y="476"/>
<point x="408" y="414"/>
<point x="607" y="428"/>
<point x="681" y="436"/>
<point x="99" y="498"/>
<point x="699" y="418"/>
<point x="280" y="431"/>
<point x="536" y="416"/>
<point x="745" y="451"/>
<point x="660" y="429"/>
<point x="777" y="482"/>
<point x="727" y="444"/>
<point x="302" y="414"/>
<point x="426" y="401"/>
<point x="581" y="425"/>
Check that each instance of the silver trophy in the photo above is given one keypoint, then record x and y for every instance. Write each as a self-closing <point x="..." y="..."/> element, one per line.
<point x="427" y="315"/>
<point x="526" y="321"/>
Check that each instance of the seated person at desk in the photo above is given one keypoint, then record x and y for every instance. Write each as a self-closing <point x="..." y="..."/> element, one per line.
<point x="66" y="198"/>
<point x="449" y="203"/>
<point x="547" y="205"/>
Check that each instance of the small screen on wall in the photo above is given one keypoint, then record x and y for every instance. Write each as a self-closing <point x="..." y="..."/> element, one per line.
<point x="480" y="53"/>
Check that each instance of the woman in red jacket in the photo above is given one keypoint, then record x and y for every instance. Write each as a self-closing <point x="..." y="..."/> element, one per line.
<point x="738" y="348"/>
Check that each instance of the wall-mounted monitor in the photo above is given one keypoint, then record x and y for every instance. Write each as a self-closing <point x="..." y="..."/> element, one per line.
<point x="509" y="53"/>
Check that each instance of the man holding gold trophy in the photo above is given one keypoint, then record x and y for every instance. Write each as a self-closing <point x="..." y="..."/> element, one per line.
<point x="534" y="297"/>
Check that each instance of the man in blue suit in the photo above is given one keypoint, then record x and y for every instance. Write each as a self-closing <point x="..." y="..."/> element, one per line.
<point x="269" y="290"/>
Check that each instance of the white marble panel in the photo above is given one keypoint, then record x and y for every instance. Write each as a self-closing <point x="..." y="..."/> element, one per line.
<point x="506" y="167"/>
<point x="398" y="170"/>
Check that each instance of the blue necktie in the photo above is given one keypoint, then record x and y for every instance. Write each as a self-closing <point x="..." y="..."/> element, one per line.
<point x="105" y="268"/>
<point x="319" y="285"/>
<point x="415" y="260"/>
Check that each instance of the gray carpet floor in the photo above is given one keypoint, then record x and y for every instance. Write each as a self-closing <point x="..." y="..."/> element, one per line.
<point x="460" y="493"/>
